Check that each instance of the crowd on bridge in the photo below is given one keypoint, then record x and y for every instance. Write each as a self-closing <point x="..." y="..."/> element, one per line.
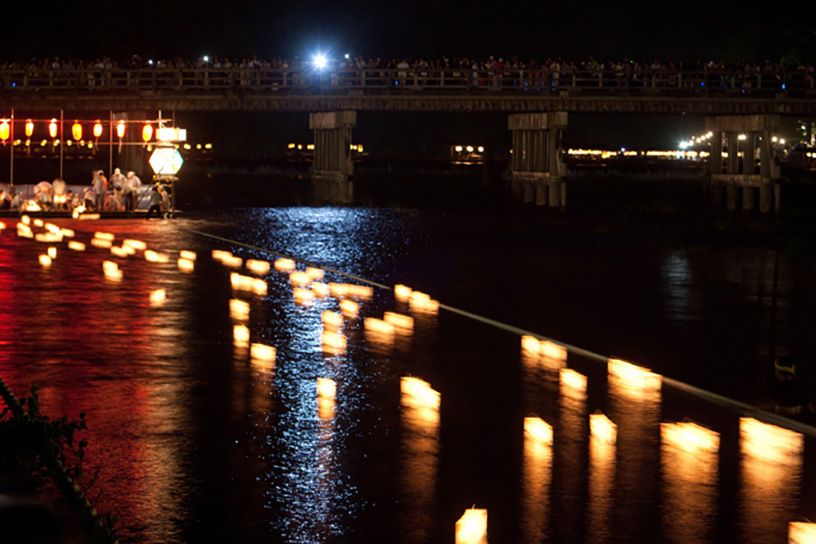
<point x="549" y="73"/>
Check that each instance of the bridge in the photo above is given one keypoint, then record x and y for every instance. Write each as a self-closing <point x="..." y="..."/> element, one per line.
<point x="403" y="90"/>
<point x="742" y="108"/>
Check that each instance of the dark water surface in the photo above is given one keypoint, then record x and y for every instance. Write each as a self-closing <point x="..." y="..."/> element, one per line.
<point x="195" y="442"/>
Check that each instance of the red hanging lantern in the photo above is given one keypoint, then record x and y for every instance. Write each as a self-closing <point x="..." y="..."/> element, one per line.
<point x="97" y="129"/>
<point x="120" y="129"/>
<point x="147" y="132"/>
<point x="76" y="131"/>
<point x="52" y="128"/>
<point x="29" y="128"/>
<point x="5" y="130"/>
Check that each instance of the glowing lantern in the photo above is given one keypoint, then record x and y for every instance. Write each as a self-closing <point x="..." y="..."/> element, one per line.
<point x="332" y="320"/>
<point x="768" y="442"/>
<point x="111" y="270"/>
<point x="343" y="290"/>
<point x="109" y="265"/>
<point x="602" y="428"/>
<point x="304" y="297"/>
<point x="48" y="237"/>
<point x="87" y="216"/>
<point x="241" y="282"/>
<point x="76" y="131"/>
<point x="417" y="393"/>
<point x="399" y="321"/>
<point x="800" y="532"/>
<point x="349" y="308"/>
<point x="326" y="388"/>
<point x="97" y="129"/>
<point x="104" y="236"/>
<point x="25" y="220"/>
<point x="259" y="287"/>
<point x="220" y="254"/>
<point x="29" y="128"/>
<point x="186" y="265"/>
<point x="538" y="430"/>
<point x="378" y="326"/>
<point x="156" y="257"/>
<point x="52" y="252"/>
<point x="634" y="378"/>
<point x="690" y="437"/>
<point x="315" y="273"/>
<point x="240" y="335"/>
<point x="52" y="128"/>
<point x="2" y="225"/>
<point x="471" y="528"/>
<point x="50" y="227"/>
<point x="104" y="244"/>
<point x="38" y="223"/>
<point x="157" y="297"/>
<point x="120" y="129"/>
<point x="258" y="267"/>
<point x="119" y="251"/>
<point x="262" y="352"/>
<point x="284" y="265"/>
<point x="147" y="132"/>
<point x="239" y="310"/>
<point x="423" y="303"/>
<point x="402" y="292"/>
<point x="529" y="344"/>
<point x="76" y="246"/>
<point x="320" y="290"/>
<point x="573" y="383"/>
<point x="45" y="261"/>
<point x="135" y="244"/>
<point x="5" y="130"/>
<point x="189" y="255"/>
<point x="333" y="342"/>
<point x="301" y="279"/>
<point x="68" y="233"/>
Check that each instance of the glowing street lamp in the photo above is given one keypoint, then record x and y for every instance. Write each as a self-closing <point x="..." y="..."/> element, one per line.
<point x="319" y="61"/>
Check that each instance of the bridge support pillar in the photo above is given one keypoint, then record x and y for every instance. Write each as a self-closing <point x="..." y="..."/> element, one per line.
<point x="744" y="133"/>
<point x="332" y="168"/>
<point x="536" y="168"/>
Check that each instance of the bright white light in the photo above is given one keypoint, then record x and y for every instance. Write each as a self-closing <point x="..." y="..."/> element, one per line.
<point x="319" y="61"/>
<point x="683" y="144"/>
<point x="480" y="149"/>
<point x="782" y="141"/>
<point x="206" y="58"/>
<point x="742" y="137"/>
<point x="347" y="56"/>
<point x="150" y="62"/>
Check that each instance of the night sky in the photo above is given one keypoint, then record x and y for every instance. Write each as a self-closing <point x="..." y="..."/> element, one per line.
<point x="644" y="29"/>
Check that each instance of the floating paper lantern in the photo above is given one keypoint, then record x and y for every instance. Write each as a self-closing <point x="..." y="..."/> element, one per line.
<point x="538" y="430"/>
<point x="98" y="242"/>
<point x="284" y="265"/>
<point x="259" y="287"/>
<point x="690" y="437"/>
<point x="25" y="220"/>
<point x="119" y="251"/>
<point x="186" y="265"/>
<point x="219" y="254"/>
<point x="258" y="267"/>
<point x="349" y="308"/>
<point x="52" y="252"/>
<point x="38" y="223"/>
<point x="343" y="290"/>
<point x="602" y="428"/>
<point x="326" y="388"/>
<point x="157" y="297"/>
<point x="399" y="321"/>
<point x="231" y="261"/>
<point x="104" y="236"/>
<point x="633" y="377"/>
<point x="529" y="344"/>
<point x="422" y="303"/>
<point x="800" y="532"/>
<point x="67" y="233"/>
<point x="48" y="237"/>
<point x="572" y="382"/>
<point x="332" y="320"/>
<point x="315" y="273"/>
<point x="112" y="273"/>
<point x="45" y="261"/>
<point x="189" y="255"/>
<point x="239" y="310"/>
<point x="156" y="257"/>
<point x="768" y="442"/>
<point x="402" y="292"/>
<point x="320" y="290"/>
<point x="240" y="335"/>
<point x="76" y="246"/>
<point x="301" y="279"/>
<point x="551" y="350"/>
<point x="378" y="326"/>
<point x="333" y="342"/>
<point x="262" y="352"/>
<point x="51" y="227"/>
<point x="109" y="265"/>
<point x="135" y="244"/>
<point x="418" y="393"/>
<point x="87" y="216"/>
<point x="2" y="225"/>
<point x="471" y="528"/>
<point x="24" y="231"/>
<point x="304" y="297"/>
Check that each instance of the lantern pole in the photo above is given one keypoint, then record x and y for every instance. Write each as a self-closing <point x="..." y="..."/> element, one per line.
<point x="110" y="144"/>
<point x="62" y="143"/>
<point x="11" y="168"/>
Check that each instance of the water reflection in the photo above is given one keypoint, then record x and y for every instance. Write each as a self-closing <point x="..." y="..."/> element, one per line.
<point x="537" y="472"/>
<point x="771" y="472"/>
<point x="570" y="467"/>
<point x="601" y="479"/>
<point x="689" y="467"/>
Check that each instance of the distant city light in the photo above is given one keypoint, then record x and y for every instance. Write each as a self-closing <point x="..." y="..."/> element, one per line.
<point x="206" y="58"/>
<point x="347" y="56"/>
<point x="319" y="61"/>
<point x="150" y="62"/>
<point x="683" y="144"/>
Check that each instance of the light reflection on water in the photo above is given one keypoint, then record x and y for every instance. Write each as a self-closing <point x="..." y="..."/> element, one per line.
<point x="195" y="440"/>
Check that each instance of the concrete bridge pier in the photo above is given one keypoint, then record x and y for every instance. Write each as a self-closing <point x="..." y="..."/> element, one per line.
<point x="332" y="167"/>
<point x="536" y="168"/>
<point x="743" y="134"/>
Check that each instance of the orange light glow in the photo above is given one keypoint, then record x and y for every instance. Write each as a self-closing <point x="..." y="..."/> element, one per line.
<point x="76" y="246"/>
<point x="284" y="265"/>
<point x="401" y="322"/>
<point x="120" y="129"/>
<point x="240" y="335"/>
<point x="118" y="251"/>
<point x="326" y="388"/>
<point x="402" y="292"/>
<point x="602" y="428"/>
<point x="690" y="437"/>
<point x="320" y="290"/>
<point x="29" y="128"/>
<point x="332" y="321"/>
<point x="471" y="528"/>
<point x="303" y="297"/>
<point x="378" y="326"/>
<point x="68" y="233"/>
<point x="573" y="383"/>
<point x="239" y="310"/>
<point x="5" y="130"/>
<point x="189" y="255"/>
<point x="157" y="297"/>
<point x="262" y="352"/>
<point x="800" y="532"/>
<point x="97" y="129"/>
<point x="110" y="268"/>
<point x="315" y="273"/>
<point x="350" y="290"/>
<point x="186" y="265"/>
<point x="333" y="342"/>
<point x="768" y="442"/>
<point x="45" y="261"/>
<point x="104" y="236"/>
<point x="538" y="430"/>
<point x="76" y="131"/>
<point x="156" y="257"/>
<point x="300" y="279"/>
<point x="52" y="128"/>
<point x="104" y="244"/>
<point x="147" y="132"/>
<point x="349" y="309"/>
<point x="135" y="244"/>
<point x="257" y="266"/>
<point x="634" y="379"/>
<point x="418" y="393"/>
